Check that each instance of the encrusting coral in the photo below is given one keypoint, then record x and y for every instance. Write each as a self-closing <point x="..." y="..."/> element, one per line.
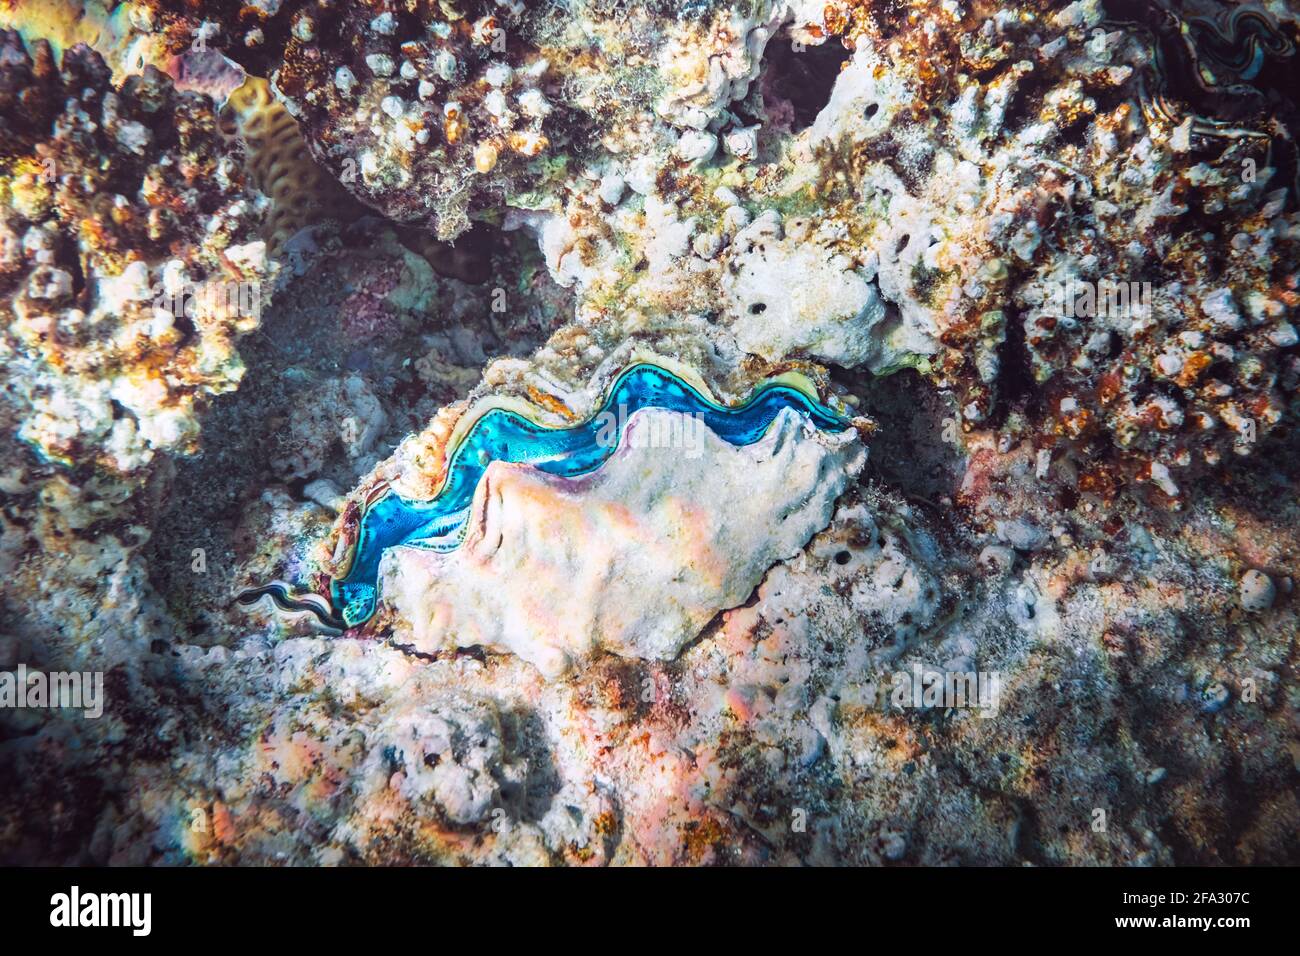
<point x="425" y="111"/>
<point x="1002" y="202"/>
<point x="131" y="262"/>
<point x="123" y="33"/>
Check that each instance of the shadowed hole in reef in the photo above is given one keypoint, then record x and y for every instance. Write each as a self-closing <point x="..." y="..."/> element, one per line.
<point x="799" y="78"/>
<point x="908" y="451"/>
<point x="1016" y="385"/>
<point x="524" y="734"/>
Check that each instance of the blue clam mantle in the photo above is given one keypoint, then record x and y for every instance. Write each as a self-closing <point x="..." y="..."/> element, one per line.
<point x="503" y="435"/>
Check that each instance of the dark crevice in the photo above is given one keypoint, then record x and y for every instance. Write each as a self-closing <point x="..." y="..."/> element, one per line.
<point x="797" y="80"/>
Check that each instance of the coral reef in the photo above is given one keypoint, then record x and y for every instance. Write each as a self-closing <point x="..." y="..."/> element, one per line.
<point x="123" y="33"/>
<point x="533" y="521"/>
<point x="425" y="111"/>
<point x="131" y="263"/>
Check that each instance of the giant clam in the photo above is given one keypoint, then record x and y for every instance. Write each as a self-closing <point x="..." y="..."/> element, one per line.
<point x="502" y="432"/>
